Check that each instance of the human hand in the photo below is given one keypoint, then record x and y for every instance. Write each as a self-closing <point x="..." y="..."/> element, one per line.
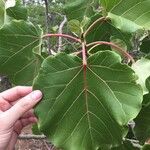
<point x="15" y="113"/>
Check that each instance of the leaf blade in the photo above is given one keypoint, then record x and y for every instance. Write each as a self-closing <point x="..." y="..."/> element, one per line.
<point x="82" y="114"/>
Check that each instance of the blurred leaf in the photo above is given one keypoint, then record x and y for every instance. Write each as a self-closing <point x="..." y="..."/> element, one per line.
<point x="75" y="26"/>
<point x="146" y="147"/>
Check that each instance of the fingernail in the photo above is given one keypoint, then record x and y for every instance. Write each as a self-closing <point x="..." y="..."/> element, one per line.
<point x="36" y="95"/>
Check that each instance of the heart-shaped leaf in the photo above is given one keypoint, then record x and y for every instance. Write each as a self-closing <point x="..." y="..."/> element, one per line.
<point x="86" y="108"/>
<point x="128" y="15"/>
<point x="17" y="59"/>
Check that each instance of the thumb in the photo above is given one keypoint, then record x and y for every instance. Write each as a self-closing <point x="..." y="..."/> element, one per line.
<point x="23" y="105"/>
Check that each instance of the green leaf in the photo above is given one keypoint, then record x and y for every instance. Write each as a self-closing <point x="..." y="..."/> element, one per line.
<point x="86" y="109"/>
<point x="78" y="9"/>
<point x="18" y="12"/>
<point x="104" y="31"/>
<point x="17" y="58"/>
<point x="2" y="12"/>
<point x="146" y="147"/>
<point x="142" y="122"/>
<point x="75" y="26"/>
<point x="128" y="15"/>
<point x="145" y="45"/>
<point x="142" y="69"/>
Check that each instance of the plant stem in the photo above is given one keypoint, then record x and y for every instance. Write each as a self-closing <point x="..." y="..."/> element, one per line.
<point x="119" y="49"/>
<point x="62" y="35"/>
<point x="93" y="24"/>
<point x="84" y="54"/>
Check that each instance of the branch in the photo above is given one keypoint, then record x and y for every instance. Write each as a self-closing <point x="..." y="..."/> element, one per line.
<point x="62" y="35"/>
<point x="93" y="24"/>
<point x="60" y="32"/>
<point x="119" y="49"/>
<point x="31" y="136"/>
<point x="47" y="24"/>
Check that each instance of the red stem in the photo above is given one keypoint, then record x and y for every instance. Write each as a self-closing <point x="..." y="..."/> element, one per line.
<point x="62" y="35"/>
<point x="119" y="49"/>
<point x="84" y="54"/>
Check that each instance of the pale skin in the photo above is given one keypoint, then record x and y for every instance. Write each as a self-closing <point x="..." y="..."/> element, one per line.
<point x="15" y="113"/>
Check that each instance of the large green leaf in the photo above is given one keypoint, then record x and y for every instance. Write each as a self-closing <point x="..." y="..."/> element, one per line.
<point x="142" y="69"/>
<point x="86" y="109"/>
<point x="79" y="9"/>
<point x="17" y="59"/>
<point x="128" y="15"/>
<point x="2" y="12"/>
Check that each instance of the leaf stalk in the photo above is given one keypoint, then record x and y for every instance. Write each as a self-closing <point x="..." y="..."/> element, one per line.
<point x="116" y="47"/>
<point x="62" y="35"/>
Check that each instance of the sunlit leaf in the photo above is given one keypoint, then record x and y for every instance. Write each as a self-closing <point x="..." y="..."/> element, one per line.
<point x="142" y="69"/>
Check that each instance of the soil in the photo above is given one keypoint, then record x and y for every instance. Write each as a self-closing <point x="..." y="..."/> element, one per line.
<point x="33" y="144"/>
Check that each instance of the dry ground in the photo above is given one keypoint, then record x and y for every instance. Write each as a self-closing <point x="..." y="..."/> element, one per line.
<point x="33" y="144"/>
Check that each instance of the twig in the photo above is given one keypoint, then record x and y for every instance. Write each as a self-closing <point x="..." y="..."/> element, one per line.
<point x="62" y="35"/>
<point x="60" y="32"/>
<point x="47" y="24"/>
<point x="119" y="49"/>
<point x="31" y="136"/>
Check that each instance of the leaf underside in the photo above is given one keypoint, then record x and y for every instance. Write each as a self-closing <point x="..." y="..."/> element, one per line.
<point x="128" y="15"/>
<point x="86" y="109"/>
<point x="17" y="59"/>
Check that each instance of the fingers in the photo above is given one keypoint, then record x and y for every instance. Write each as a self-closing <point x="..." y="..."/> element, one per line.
<point x="18" y="127"/>
<point x="15" y="93"/>
<point x="23" y="106"/>
<point x="20" y="124"/>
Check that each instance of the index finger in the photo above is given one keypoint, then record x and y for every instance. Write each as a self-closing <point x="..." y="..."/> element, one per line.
<point x="15" y="93"/>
